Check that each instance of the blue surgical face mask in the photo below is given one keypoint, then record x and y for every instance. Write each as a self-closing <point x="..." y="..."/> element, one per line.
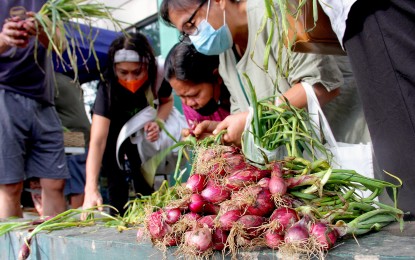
<point x="210" y="41"/>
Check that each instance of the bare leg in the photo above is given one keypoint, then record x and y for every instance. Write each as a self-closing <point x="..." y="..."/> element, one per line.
<point x="76" y="200"/>
<point x="10" y="200"/>
<point x="53" y="200"/>
<point x="36" y="195"/>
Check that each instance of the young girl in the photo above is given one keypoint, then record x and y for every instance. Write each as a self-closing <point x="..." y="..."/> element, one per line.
<point x="129" y="80"/>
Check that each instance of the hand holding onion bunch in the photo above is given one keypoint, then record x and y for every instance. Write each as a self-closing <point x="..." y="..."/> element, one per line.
<point x="57" y="21"/>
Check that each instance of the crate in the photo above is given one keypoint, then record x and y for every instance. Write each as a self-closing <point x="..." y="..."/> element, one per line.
<point x="74" y="139"/>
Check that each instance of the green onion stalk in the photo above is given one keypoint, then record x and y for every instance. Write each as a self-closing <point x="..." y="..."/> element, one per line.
<point x="57" y="18"/>
<point x="137" y="209"/>
<point x="335" y="195"/>
<point x="284" y="126"/>
<point x="66" y="219"/>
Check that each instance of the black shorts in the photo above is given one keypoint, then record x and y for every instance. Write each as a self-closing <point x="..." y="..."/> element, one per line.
<point x="31" y="139"/>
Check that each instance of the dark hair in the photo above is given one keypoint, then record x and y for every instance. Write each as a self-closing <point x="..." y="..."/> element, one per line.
<point x="185" y="63"/>
<point x="167" y="5"/>
<point x="136" y="42"/>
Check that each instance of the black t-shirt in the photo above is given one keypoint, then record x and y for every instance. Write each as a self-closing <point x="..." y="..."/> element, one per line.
<point x="118" y="105"/>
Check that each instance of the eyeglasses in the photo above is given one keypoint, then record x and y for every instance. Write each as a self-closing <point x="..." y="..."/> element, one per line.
<point x="189" y="27"/>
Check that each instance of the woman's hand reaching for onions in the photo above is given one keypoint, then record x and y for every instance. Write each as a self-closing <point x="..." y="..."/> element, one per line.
<point x="200" y="130"/>
<point x="235" y="125"/>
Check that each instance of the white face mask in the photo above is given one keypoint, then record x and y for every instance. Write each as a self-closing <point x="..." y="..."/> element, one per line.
<point x="210" y="41"/>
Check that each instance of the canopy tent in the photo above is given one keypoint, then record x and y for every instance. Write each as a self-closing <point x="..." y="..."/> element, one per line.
<point x="87" y="63"/>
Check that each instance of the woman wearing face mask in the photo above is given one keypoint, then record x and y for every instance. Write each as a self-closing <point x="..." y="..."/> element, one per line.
<point x="195" y="79"/>
<point x="129" y="80"/>
<point x="229" y="28"/>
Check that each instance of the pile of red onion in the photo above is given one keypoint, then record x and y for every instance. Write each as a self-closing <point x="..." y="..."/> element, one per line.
<point x="232" y="204"/>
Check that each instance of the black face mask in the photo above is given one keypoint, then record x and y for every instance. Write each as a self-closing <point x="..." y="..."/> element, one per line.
<point x="208" y="109"/>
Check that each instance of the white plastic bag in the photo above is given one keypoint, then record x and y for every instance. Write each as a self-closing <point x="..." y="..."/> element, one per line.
<point x="133" y="129"/>
<point x="356" y="157"/>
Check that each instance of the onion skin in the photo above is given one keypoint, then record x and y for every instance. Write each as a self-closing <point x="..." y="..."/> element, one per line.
<point x="206" y="155"/>
<point x="219" y="237"/>
<point x="191" y="216"/>
<point x="156" y="225"/>
<point x="230" y="149"/>
<point x="251" y="224"/>
<point x="234" y="162"/>
<point x="301" y="180"/>
<point x="209" y="221"/>
<point x="264" y="182"/>
<point x="273" y="239"/>
<point x="263" y="205"/>
<point x="245" y="177"/>
<point x="216" y="170"/>
<point x="286" y="217"/>
<point x="172" y="215"/>
<point x="24" y="251"/>
<point x="324" y="234"/>
<point x="196" y="183"/>
<point x="297" y="233"/>
<point x="196" y="203"/>
<point x="251" y="221"/>
<point x="211" y="209"/>
<point x="277" y="185"/>
<point x="276" y="169"/>
<point x="170" y="242"/>
<point x="252" y="190"/>
<point x="214" y="193"/>
<point x="227" y="219"/>
<point x="199" y="239"/>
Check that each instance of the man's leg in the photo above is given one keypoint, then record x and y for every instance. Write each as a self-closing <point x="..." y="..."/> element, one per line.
<point x="15" y="114"/>
<point x="46" y="159"/>
<point x="10" y="200"/>
<point x="53" y="200"/>
<point x="36" y="192"/>
<point x="75" y="186"/>
<point x="76" y="200"/>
